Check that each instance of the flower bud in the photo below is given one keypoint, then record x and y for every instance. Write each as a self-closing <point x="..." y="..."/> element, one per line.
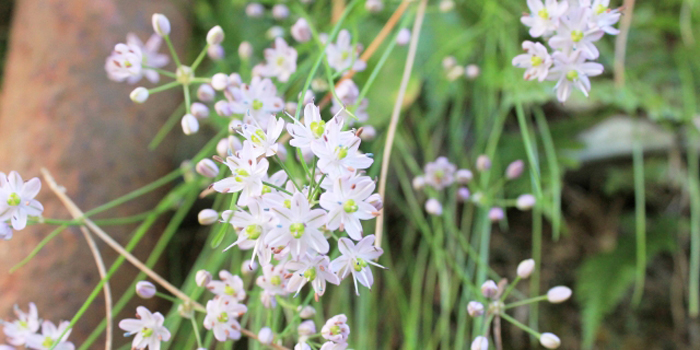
<point x="199" y="110"/>
<point x="374" y="5"/>
<point x="525" y="268"/>
<point x="219" y="81"/>
<point x="306" y="312"/>
<point x="525" y="202"/>
<point x="203" y="277"/>
<point x="280" y="12"/>
<point x="489" y="289"/>
<point x="447" y="5"/>
<point x="274" y="32"/>
<point x="319" y="85"/>
<point x="301" y="31"/>
<point x="215" y="36"/>
<point x="480" y="343"/>
<point x="475" y="308"/>
<point x="161" y="25"/>
<point x="248" y="267"/>
<point x="463" y="176"/>
<point x="496" y="214"/>
<point x="515" y="169"/>
<point x="245" y="50"/>
<point x="376" y="201"/>
<point x="254" y="10"/>
<point x="449" y="62"/>
<point x="145" y="289"/>
<point x="190" y="125"/>
<point x="216" y="52"/>
<point x="483" y="163"/>
<point x="368" y="133"/>
<point x="418" y="183"/>
<point x="206" y="167"/>
<point x="455" y="73"/>
<point x="433" y="207"/>
<point x="307" y="328"/>
<point x="558" y="294"/>
<point x="463" y="194"/>
<point x="139" y="95"/>
<point x="223" y="108"/>
<point x="472" y="71"/>
<point x="265" y="335"/>
<point x="549" y="340"/>
<point x="207" y="217"/>
<point x="222" y="147"/>
<point x="403" y="37"/>
<point x="206" y="93"/>
<point x="234" y="143"/>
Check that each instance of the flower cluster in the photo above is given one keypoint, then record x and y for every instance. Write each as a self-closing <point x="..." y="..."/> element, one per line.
<point x="442" y="174"/>
<point x="30" y="331"/>
<point x="495" y="306"/>
<point x="571" y="32"/>
<point x="17" y="203"/>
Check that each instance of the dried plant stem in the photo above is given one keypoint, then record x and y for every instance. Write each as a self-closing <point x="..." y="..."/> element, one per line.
<point x="621" y="43"/>
<point x="107" y="289"/>
<point x="397" y="112"/>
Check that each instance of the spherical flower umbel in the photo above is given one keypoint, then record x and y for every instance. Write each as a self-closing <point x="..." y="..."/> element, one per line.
<point x="17" y="199"/>
<point x="336" y="329"/>
<point x="147" y="327"/>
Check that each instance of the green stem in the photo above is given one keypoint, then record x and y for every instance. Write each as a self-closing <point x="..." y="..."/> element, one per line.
<point x="640" y="217"/>
<point x="199" y="59"/>
<point x="554" y="171"/>
<point x="168" y="298"/>
<point x="176" y="59"/>
<point x="188" y="102"/>
<point x="164" y="87"/>
<point x="195" y="329"/>
<point x="289" y="174"/>
<point x="520" y="325"/>
<point x="526" y="301"/>
<point x="38" y="248"/>
<point x="160" y="71"/>
<point x="510" y="288"/>
<point x="276" y="187"/>
<point x="165" y="129"/>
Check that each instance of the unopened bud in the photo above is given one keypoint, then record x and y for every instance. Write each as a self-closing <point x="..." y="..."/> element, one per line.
<point x="199" y="110"/>
<point x="216" y="52"/>
<point x="222" y="147"/>
<point x="207" y="217"/>
<point x="203" y="277"/>
<point x="301" y="31"/>
<point x="515" y="169"/>
<point x="475" y="308"/>
<point x="215" y="36"/>
<point x="525" y="202"/>
<point x="265" y="335"/>
<point x="306" y="312"/>
<point x="483" y="163"/>
<point x="558" y="294"/>
<point x="525" y="268"/>
<point x="472" y="71"/>
<point x="280" y="12"/>
<point x="254" y="10"/>
<point x="463" y="176"/>
<point x="447" y="5"/>
<point x="403" y="37"/>
<point x="374" y="5"/>
<point x="368" y="133"/>
<point x="161" y="25"/>
<point x="433" y="207"/>
<point x="418" y="183"/>
<point x="463" y="194"/>
<point x="219" y="81"/>
<point x="223" y="108"/>
<point x="190" y="125"/>
<point x="480" y="343"/>
<point x="489" y="289"/>
<point x="549" y="340"/>
<point x="455" y="73"/>
<point x="206" y="93"/>
<point x="274" y="32"/>
<point x="376" y="201"/>
<point x="139" y="95"/>
<point x="306" y="328"/>
<point x="245" y="50"/>
<point x="145" y="289"/>
<point x="496" y="214"/>
<point x="248" y="267"/>
<point x="206" y="167"/>
<point x="449" y="62"/>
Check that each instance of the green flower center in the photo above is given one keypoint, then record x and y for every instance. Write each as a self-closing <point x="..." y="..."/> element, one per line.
<point x="600" y="9"/>
<point x="258" y="136"/>
<point x="276" y="280"/>
<point x="280" y="61"/>
<point x="359" y="264"/>
<point x="223" y="317"/>
<point x="253" y="231"/>
<point x="14" y="199"/>
<point x="47" y="343"/>
<point x="266" y="189"/>
<point x="317" y="128"/>
<point x="576" y="35"/>
<point x="297" y="230"/>
<point x="240" y="175"/>
<point x="147" y="332"/>
<point x="229" y="290"/>
<point x="310" y="274"/>
<point x="572" y="75"/>
<point x="350" y="206"/>
<point x="23" y="324"/>
<point x="257" y="104"/>
<point x="342" y="152"/>
<point x="535" y="61"/>
<point x="345" y="55"/>
<point x="288" y="203"/>
<point x="543" y="14"/>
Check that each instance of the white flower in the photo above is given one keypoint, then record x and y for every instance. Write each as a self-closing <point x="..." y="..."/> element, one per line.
<point x="221" y="318"/>
<point x="310" y="269"/>
<point x="356" y="259"/>
<point x="259" y="99"/>
<point x="343" y="54"/>
<point x="338" y="151"/>
<point x="347" y="203"/>
<point x="150" y="57"/>
<point x="6" y="347"/>
<point x="148" y="328"/>
<point x="572" y="72"/>
<point x="329" y="345"/>
<point x="252" y="227"/>
<point x="336" y="329"/>
<point x="439" y="173"/>
<point x="301" y="31"/>
<point x="544" y="18"/>
<point x="603" y="17"/>
<point x="264" y="142"/>
<point x="5" y="231"/>
<point x="254" y="10"/>
<point x="536" y="61"/>
<point x="298" y="227"/>
<point x="311" y="130"/>
<point x="27" y="323"/>
<point x="124" y="62"/>
<point x="265" y="335"/>
<point x="17" y="199"/>
<point x="49" y="337"/>
<point x="230" y="287"/>
<point x="348" y="93"/>
<point x="273" y="280"/>
<point x="247" y="175"/>
<point x="480" y="343"/>
<point x="280" y="11"/>
<point x="574" y="34"/>
<point x="281" y="60"/>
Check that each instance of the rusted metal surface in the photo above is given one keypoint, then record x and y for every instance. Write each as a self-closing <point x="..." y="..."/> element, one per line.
<point x="58" y="110"/>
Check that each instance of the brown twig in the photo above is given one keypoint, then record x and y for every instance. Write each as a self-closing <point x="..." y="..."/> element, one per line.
<point x="397" y="112"/>
<point x="107" y="289"/>
<point x="621" y="43"/>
